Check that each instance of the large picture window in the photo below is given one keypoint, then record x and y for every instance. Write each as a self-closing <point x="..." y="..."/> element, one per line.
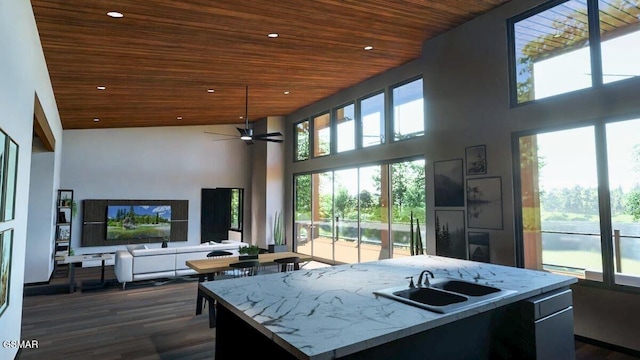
<point x="570" y="45"/>
<point x="572" y="221"/>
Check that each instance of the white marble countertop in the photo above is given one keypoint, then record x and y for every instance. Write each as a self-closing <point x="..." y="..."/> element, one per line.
<point x="332" y="312"/>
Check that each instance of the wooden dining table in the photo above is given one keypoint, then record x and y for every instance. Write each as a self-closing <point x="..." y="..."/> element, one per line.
<point x="210" y="266"/>
<point x="207" y="268"/>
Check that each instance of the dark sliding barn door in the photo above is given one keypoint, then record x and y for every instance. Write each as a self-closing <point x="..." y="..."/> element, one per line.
<point x="215" y="215"/>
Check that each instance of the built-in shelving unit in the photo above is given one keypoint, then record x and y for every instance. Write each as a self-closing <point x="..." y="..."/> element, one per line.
<point x="64" y="218"/>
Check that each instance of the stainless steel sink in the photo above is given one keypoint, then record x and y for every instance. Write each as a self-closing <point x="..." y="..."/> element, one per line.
<point x="445" y="294"/>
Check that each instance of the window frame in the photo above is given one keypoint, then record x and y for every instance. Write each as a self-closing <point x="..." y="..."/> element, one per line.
<point x="312" y="137"/>
<point x="593" y="19"/>
<point x="359" y="122"/>
<point x="604" y="201"/>
<point x="334" y="127"/>
<point x="391" y="113"/>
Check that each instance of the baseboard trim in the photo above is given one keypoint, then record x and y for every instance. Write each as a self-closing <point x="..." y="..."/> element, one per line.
<point x="606" y="345"/>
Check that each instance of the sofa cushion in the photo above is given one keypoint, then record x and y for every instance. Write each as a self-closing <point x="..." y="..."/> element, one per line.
<point x="151" y="264"/>
<point x="194" y="248"/>
<point x="132" y="247"/>
<point x="156" y="251"/>
<point x="155" y="275"/>
<point x="182" y="258"/>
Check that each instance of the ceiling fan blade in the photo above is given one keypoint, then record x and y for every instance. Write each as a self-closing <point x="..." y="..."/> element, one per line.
<point x="215" y="133"/>
<point x="268" y="134"/>
<point x="267" y="139"/>
<point x="233" y="138"/>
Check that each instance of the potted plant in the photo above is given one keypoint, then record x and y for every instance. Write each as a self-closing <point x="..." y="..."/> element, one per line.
<point x="278" y="235"/>
<point x="249" y="252"/>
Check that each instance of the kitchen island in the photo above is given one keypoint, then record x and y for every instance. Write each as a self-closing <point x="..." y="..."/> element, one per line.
<point x="332" y="312"/>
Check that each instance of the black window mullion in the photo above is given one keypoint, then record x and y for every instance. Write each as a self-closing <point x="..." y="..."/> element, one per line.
<point x="388" y="117"/>
<point x="594" y="43"/>
<point x="604" y="201"/>
<point x="333" y="132"/>
<point x="357" y="112"/>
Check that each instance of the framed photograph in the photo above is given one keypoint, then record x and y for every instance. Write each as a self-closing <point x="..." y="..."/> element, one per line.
<point x="64" y="232"/>
<point x="448" y="183"/>
<point x="476" y="160"/>
<point x="450" y="234"/>
<point x="484" y="203"/>
<point x="6" y="240"/>
<point x="11" y="175"/>
<point x="479" y="247"/>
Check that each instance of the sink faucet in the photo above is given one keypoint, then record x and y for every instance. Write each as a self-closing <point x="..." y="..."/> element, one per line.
<point x="426" y="278"/>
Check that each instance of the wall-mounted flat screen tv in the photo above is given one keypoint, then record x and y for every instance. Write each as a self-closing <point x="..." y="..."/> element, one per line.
<point x="138" y="222"/>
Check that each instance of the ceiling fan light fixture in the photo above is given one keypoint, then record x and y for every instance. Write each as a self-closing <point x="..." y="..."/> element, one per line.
<point x="245" y="137"/>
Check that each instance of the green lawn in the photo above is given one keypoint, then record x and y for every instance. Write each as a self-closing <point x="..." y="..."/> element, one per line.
<point x="586" y="260"/>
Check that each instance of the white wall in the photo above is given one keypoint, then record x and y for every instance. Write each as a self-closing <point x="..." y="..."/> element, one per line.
<point x="274" y="177"/>
<point x="40" y="220"/>
<point x="23" y="73"/>
<point x="467" y="103"/>
<point x="159" y="163"/>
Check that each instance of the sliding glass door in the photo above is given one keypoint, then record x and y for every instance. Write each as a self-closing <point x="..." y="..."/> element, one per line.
<point x="345" y="211"/>
<point x="343" y="216"/>
<point x="374" y="213"/>
<point x="302" y="223"/>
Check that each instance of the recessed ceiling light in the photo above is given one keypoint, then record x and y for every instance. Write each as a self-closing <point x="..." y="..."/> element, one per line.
<point x="179" y="118"/>
<point x="115" y="14"/>
<point x="286" y="92"/>
<point x="210" y="90"/>
<point x="101" y="87"/>
<point x="241" y="117"/>
<point x="273" y="35"/>
<point x="368" y="47"/>
<point x="96" y="120"/>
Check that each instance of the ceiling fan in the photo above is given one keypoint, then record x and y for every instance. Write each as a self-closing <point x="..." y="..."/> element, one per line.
<point x="247" y="134"/>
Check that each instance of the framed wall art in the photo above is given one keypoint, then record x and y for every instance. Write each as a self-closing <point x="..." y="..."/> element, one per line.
<point x="476" y="157"/>
<point x="448" y="183"/>
<point x="6" y="242"/>
<point x="484" y="203"/>
<point x="450" y="234"/>
<point x="8" y="176"/>
<point x="479" y="246"/>
<point x="11" y="176"/>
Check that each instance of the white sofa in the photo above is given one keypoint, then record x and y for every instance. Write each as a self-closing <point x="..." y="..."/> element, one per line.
<point x="142" y="263"/>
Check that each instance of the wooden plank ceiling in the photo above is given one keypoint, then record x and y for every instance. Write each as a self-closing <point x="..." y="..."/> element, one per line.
<point x="158" y="61"/>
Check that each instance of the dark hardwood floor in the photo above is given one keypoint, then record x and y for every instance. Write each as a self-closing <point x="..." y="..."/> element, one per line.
<point x="148" y="320"/>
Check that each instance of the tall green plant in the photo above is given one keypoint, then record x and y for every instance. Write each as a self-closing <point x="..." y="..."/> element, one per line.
<point x="278" y="232"/>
